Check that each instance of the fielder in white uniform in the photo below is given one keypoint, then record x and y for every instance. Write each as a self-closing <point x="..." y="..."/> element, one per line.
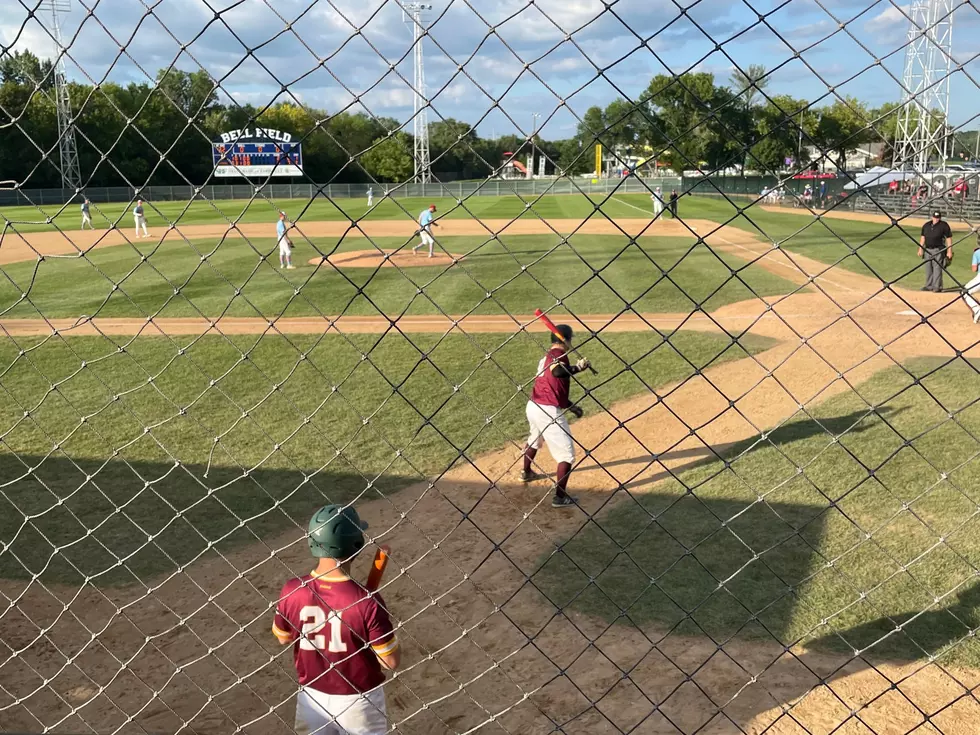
<point x="285" y="244"/>
<point x="370" y="196"/>
<point x="139" y="218"/>
<point x="86" y="217"/>
<point x="425" y="230"/>
<point x="658" y="202"/>
<point x="973" y="285"/>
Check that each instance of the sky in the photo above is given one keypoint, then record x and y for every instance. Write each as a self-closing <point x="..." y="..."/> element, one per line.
<point x="495" y="63"/>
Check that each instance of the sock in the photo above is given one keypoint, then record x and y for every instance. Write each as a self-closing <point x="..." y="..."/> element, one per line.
<point x="564" y="470"/>
<point x="529" y="453"/>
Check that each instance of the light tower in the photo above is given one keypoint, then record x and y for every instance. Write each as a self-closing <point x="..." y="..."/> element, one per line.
<point x="412" y="13"/>
<point x="67" y="148"/>
<point x="924" y="114"/>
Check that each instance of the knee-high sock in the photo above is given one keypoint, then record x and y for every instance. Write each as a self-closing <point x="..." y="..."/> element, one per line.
<point x="564" y="470"/>
<point x="529" y="453"/>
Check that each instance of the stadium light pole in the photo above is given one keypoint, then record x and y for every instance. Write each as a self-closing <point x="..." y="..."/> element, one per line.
<point x="71" y="175"/>
<point x="412" y="13"/>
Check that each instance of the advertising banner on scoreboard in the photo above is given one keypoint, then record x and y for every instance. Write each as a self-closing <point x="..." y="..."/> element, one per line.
<point x="257" y="152"/>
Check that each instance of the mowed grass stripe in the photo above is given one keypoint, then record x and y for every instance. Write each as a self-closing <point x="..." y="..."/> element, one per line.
<point x="147" y="445"/>
<point x="588" y="274"/>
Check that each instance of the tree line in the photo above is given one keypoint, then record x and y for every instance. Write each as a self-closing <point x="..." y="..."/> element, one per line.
<point x="160" y="133"/>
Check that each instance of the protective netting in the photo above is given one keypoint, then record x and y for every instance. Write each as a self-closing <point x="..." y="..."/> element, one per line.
<point x="775" y="479"/>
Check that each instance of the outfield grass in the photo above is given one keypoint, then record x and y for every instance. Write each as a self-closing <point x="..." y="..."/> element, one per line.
<point x="590" y="275"/>
<point x="662" y="556"/>
<point x="389" y="404"/>
<point x="549" y="206"/>
<point x="875" y="249"/>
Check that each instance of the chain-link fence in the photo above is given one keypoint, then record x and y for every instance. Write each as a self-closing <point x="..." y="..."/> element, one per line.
<point x="734" y="491"/>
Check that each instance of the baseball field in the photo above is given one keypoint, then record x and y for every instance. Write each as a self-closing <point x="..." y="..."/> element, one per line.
<point x="776" y="471"/>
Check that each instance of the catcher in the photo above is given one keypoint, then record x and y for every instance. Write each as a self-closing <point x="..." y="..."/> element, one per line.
<point x="285" y="244"/>
<point x="341" y="634"/>
<point x="546" y="414"/>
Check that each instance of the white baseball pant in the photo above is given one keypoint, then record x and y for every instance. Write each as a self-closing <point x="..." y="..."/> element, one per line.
<point x="341" y="714"/>
<point x="370" y="200"/>
<point x="658" y="207"/>
<point x="86" y="220"/>
<point x="548" y="424"/>
<point x="972" y="287"/>
<point x="427" y="241"/>
<point x="140" y="222"/>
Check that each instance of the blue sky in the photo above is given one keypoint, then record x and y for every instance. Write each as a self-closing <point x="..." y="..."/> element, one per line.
<point x="553" y="57"/>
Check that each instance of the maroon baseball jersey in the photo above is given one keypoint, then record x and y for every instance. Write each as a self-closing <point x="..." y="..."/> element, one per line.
<point x="338" y="628"/>
<point x="549" y="389"/>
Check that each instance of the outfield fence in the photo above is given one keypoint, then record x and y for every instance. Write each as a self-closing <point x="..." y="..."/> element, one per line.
<point x="758" y="511"/>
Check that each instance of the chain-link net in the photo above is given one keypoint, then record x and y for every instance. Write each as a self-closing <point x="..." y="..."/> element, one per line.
<point x="223" y="307"/>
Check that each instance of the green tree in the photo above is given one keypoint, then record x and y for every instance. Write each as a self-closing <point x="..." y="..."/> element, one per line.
<point x="777" y="128"/>
<point x="452" y="146"/>
<point x="25" y="69"/>
<point x="749" y="82"/>
<point x="390" y="159"/>
<point x="843" y="126"/>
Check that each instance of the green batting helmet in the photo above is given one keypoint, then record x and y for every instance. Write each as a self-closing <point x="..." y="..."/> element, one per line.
<point x="336" y="532"/>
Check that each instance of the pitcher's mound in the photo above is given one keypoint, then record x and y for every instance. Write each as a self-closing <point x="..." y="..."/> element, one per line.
<point x="386" y="259"/>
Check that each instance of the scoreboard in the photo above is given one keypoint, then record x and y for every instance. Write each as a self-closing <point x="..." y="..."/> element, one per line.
<point x="257" y="157"/>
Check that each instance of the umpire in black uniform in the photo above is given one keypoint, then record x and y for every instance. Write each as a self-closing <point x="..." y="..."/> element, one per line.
<point x="936" y="246"/>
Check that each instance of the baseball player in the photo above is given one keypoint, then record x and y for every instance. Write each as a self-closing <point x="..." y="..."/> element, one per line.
<point x="425" y="229"/>
<point x="658" y="202"/>
<point x="973" y="285"/>
<point x="86" y="217"/>
<point x="285" y="244"/>
<point x="370" y="195"/>
<point x="139" y="218"/>
<point x="341" y="634"/>
<point x="546" y="414"/>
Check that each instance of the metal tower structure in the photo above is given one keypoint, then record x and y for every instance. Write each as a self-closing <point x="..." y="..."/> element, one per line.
<point x="412" y="13"/>
<point x="924" y="114"/>
<point x="67" y="148"/>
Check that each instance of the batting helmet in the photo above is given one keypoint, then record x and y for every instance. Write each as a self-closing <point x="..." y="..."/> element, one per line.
<point x="335" y="532"/>
<point x="566" y="333"/>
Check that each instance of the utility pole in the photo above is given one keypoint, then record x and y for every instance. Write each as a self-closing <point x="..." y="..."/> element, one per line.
<point x="534" y="132"/>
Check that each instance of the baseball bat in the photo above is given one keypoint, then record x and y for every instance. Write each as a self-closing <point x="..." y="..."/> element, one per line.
<point x="554" y="330"/>
<point x="377" y="569"/>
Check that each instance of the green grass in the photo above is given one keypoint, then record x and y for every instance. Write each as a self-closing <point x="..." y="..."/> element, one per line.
<point x="388" y="403"/>
<point x="589" y="274"/>
<point x="549" y="206"/>
<point x="802" y="556"/>
<point x="874" y="249"/>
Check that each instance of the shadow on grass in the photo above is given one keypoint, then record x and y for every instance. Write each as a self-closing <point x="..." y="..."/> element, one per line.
<point x="68" y="520"/>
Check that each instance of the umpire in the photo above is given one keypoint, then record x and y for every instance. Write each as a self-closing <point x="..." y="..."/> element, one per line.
<point x="936" y="246"/>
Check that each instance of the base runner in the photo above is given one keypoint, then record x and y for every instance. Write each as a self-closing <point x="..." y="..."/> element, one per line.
<point x="546" y="414"/>
<point x="341" y="634"/>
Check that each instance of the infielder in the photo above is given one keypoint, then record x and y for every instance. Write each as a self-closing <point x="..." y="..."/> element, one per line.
<point x="973" y="285"/>
<point x="285" y="244"/>
<point x="341" y="634"/>
<point x="86" y="217"/>
<point x="425" y="229"/>
<point x="370" y="196"/>
<point x="140" y="219"/>
<point x="658" y="202"/>
<point x="546" y="414"/>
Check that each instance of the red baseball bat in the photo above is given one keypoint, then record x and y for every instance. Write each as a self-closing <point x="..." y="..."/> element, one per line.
<point x="377" y="569"/>
<point x="554" y="330"/>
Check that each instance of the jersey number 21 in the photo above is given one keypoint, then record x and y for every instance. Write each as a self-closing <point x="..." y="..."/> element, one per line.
<point x="313" y="619"/>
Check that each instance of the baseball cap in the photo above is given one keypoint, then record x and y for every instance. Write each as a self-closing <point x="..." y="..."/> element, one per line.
<point x="432" y="207"/>
<point x="937" y="213"/>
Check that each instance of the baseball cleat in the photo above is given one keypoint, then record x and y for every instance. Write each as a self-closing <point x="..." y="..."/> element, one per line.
<point x="562" y="501"/>
<point x="531" y="476"/>
<point x="290" y="267"/>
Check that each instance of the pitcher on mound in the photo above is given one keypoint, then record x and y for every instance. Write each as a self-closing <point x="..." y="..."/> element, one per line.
<point x="546" y="414"/>
<point x="341" y="634"/>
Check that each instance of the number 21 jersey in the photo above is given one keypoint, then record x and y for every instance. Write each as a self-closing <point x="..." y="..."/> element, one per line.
<point x="338" y="628"/>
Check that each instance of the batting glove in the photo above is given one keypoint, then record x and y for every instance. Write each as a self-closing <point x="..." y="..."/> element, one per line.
<point x="582" y="364"/>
